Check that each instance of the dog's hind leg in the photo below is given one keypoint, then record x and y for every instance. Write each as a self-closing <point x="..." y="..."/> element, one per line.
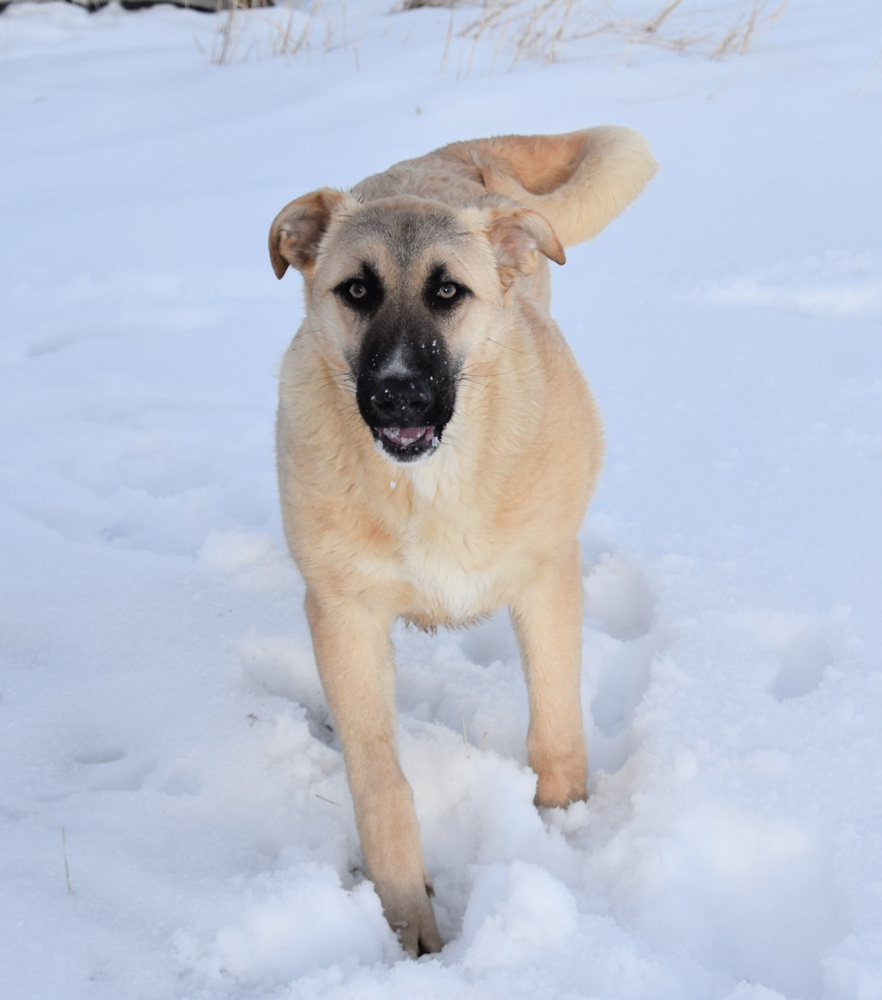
<point x="354" y="655"/>
<point x="547" y="618"/>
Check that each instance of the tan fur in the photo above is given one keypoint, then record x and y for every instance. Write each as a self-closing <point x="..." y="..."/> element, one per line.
<point x="491" y="517"/>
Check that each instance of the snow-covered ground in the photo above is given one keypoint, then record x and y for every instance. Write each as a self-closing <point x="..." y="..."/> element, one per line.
<point x="163" y="735"/>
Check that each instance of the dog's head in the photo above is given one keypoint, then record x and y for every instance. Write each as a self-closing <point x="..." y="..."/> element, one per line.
<point x="401" y="291"/>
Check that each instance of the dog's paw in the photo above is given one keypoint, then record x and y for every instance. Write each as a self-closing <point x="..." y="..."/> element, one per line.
<point x="411" y="916"/>
<point x="561" y="781"/>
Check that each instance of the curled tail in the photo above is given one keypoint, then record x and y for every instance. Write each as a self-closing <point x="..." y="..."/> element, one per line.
<point x="579" y="181"/>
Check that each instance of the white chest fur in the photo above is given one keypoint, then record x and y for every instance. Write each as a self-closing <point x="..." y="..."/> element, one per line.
<point x="448" y="556"/>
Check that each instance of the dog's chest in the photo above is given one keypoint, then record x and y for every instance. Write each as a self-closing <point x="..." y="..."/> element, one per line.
<point x="448" y="555"/>
<point x="448" y="585"/>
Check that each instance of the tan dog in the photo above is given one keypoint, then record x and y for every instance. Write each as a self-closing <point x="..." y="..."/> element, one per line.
<point x="437" y="446"/>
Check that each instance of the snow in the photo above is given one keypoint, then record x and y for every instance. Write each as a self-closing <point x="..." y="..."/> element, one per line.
<point x="162" y="726"/>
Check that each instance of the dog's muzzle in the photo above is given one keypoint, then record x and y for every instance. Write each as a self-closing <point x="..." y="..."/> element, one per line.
<point x="406" y="416"/>
<point x="405" y="388"/>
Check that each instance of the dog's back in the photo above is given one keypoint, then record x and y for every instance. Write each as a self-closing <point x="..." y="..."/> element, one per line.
<point x="580" y="181"/>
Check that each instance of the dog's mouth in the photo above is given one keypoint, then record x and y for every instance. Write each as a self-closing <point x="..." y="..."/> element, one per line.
<point x="406" y="444"/>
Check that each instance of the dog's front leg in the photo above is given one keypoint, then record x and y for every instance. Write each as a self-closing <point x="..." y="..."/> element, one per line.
<point x="354" y="655"/>
<point x="547" y="618"/>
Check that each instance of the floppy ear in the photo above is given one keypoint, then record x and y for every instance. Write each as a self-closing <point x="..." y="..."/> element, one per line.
<point x="517" y="236"/>
<point x="298" y="229"/>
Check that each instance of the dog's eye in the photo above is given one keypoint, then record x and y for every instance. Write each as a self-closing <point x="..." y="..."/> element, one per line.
<point x="363" y="294"/>
<point x="441" y="294"/>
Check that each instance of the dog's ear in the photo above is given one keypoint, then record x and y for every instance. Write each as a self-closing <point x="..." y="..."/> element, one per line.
<point x="298" y="229"/>
<point x="517" y="235"/>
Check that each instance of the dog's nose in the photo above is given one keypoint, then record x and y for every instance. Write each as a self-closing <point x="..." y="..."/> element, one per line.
<point x="402" y="401"/>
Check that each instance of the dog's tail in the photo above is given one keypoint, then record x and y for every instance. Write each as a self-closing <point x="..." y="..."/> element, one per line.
<point x="579" y="181"/>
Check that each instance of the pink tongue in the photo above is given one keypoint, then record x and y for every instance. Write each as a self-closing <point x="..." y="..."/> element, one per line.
<point x="404" y="436"/>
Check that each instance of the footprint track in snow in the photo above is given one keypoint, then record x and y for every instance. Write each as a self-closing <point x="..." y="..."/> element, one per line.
<point x="490" y="641"/>
<point x="619" y="600"/>
<point x="107" y="765"/>
<point x="286" y="669"/>
<point x="802" y="647"/>
<point x="623" y="639"/>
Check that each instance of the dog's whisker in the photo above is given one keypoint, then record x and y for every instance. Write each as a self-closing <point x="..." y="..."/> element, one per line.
<point x="342" y="380"/>
<point x="508" y="347"/>
<point x="481" y="381"/>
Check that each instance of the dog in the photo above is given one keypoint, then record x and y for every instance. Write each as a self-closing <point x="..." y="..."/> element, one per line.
<point x="437" y="447"/>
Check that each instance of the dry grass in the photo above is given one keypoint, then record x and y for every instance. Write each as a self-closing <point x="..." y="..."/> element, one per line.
<point x="227" y="37"/>
<point x="231" y="32"/>
<point x="746" y="27"/>
<point x="542" y="31"/>
<point x="288" y="30"/>
<point x="66" y="862"/>
<point x="871" y="71"/>
<point x="539" y="29"/>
